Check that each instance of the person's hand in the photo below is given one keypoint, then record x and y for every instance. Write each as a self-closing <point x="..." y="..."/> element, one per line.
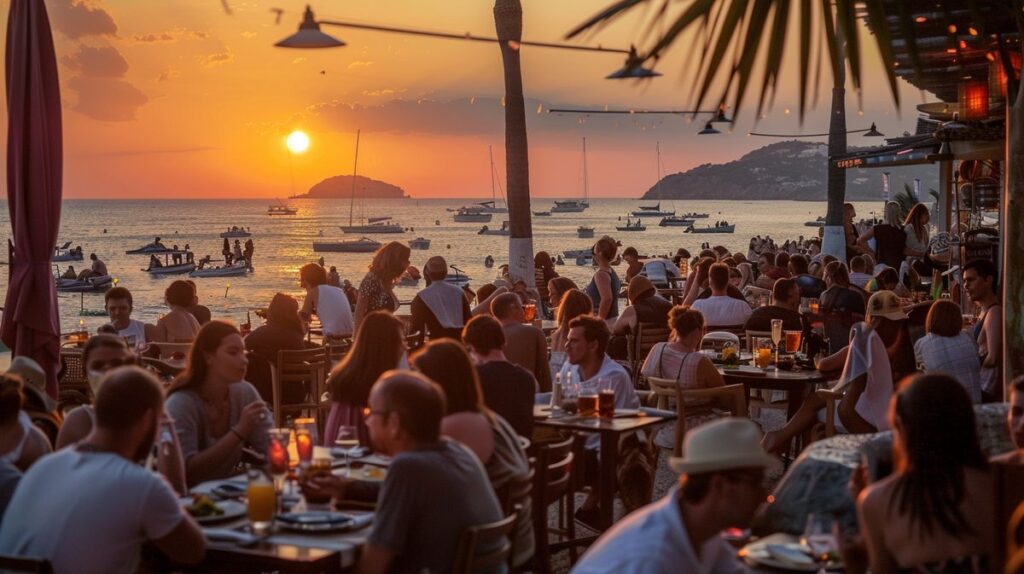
<point x="254" y="415"/>
<point x="325" y="485"/>
<point x="858" y="480"/>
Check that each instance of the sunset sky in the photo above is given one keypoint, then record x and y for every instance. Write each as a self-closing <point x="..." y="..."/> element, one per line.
<point x="181" y="99"/>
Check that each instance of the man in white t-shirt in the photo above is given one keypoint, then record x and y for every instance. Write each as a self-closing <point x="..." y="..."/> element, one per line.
<point x="90" y="508"/>
<point x="721" y="310"/>
<point x="119" y="308"/>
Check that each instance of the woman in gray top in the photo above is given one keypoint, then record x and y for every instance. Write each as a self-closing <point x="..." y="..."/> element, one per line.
<point x="215" y="411"/>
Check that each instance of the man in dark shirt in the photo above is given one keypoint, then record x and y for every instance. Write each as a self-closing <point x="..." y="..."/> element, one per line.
<point x="810" y="286"/>
<point x="508" y="389"/>
<point x="785" y="305"/>
<point x="200" y="312"/>
<point x="441" y="309"/>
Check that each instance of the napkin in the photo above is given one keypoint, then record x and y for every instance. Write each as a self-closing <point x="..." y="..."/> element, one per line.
<point x="228" y="535"/>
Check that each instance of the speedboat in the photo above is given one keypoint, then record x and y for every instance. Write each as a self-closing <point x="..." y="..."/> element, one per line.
<point x="361" y="245"/>
<point x="100" y="283"/>
<point x="819" y="222"/>
<point x="632" y="225"/>
<point x="374" y="225"/>
<point x="235" y="232"/>
<point x="652" y="211"/>
<point x="236" y="270"/>
<point x="675" y="221"/>
<point x="487" y="231"/>
<point x="570" y="206"/>
<point x="153" y="249"/>
<point x="280" y="208"/>
<point x="419" y="243"/>
<point x="472" y="214"/>
<point x="584" y="232"/>
<point x="171" y="269"/>
<point x="64" y="253"/>
<point x="694" y="215"/>
<point x="728" y="228"/>
<point x="542" y="213"/>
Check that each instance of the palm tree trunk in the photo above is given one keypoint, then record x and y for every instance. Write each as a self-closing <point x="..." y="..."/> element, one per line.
<point x="508" y="22"/>
<point x="1013" y="243"/>
<point x="834" y="240"/>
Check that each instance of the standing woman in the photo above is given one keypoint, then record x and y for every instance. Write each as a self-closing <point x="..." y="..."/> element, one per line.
<point x="376" y="291"/>
<point x="603" y="288"/>
<point x="890" y="239"/>
<point x="216" y="412"/>
<point x="915" y="228"/>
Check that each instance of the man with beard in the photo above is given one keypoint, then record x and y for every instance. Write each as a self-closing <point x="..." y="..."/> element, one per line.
<point x="97" y="492"/>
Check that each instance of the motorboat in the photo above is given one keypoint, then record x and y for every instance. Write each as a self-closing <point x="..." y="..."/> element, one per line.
<point x="235" y="232"/>
<point x="171" y="269"/>
<point x="632" y="225"/>
<point x="419" y="243"/>
<point x="237" y="270"/>
<point x="675" y="221"/>
<point x="92" y="284"/>
<point x="726" y="228"/>
<point x="374" y="225"/>
<point x="472" y="214"/>
<point x="819" y="222"/>
<point x="584" y="232"/>
<point x="585" y="260"/>
<point x="695" y="215"/>
<point x="571" y="206"/>
<point x="574" y="253"/>
<point x="65" y="253"/>
<point x="652" y="211"/>
<point x="487" y="231"/>
<point x="542" y="213"/>
<point x="281" y="208"/>
<point x="154" y="249"/>
<point x="361" y="245"/>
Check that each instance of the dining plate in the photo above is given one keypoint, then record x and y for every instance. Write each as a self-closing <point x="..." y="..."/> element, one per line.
<point x="790" y="556"/>
<point x="365" y="473"/>
<point x="625" y="413"/>
<point x="229" y="490"/>
<point x="315" y="521"/>
<point x="230" y="510"/>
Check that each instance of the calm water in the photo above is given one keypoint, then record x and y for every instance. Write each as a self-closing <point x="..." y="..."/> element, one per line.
<point x="283" y="244"/>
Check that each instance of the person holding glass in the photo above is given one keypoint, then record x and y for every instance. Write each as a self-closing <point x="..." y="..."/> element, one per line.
<point x="217" y="413"/>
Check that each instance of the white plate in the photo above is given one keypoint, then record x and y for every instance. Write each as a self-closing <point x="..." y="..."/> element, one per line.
<point x="232" y="509"/>
<point x="759" y="554"/>
<point x="365" y="473"/>
<point x="315" y="521"/>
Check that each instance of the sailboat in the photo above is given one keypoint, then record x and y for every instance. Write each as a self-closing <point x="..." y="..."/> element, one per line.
<point x="372" y="224"/>
<point x="361" y="245"/>
<point x="492" y="205"/>
<point x="632" y="225"/>
<point x="655" y="210"/>
<point x="575" y="205"/>
<point x="281" y="208"/>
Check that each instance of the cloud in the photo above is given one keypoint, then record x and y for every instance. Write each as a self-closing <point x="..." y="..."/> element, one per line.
<point x="247" y="35"/>
<point x="169" y="36"/>
<point x="81" y="18"/>
<point x="358" y="64"/>
<point x="97" y="62"/>
<point x="384" y="92"/>
<point x="298" y="60"/>
<point x="106" y="99"/>
<point x="217" y="59"/>
<point x="168" y="75"/>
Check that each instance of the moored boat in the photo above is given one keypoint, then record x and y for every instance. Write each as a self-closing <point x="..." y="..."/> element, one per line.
<point x="542" y="213"/>
<point x="675" y="221"/>
<point x="64" y="253"/>
<point x="236" y="270"/>
<point x="632" y="225"/>
<point x="485" y="230"/>
<point x="584" y="231"/>
<point x="361" y="245"/>
<point x="235" y="232"/>
<point x="419" y="243"/>
<point x="652" y="211"/>
<point x="171" y="269"/>
<point x="727" y="228"/>
<point x="374" y="225"/>
<point x="472" y="214"/>
<point x="92" y="284"/>
<point x="281" y="208"/>
<point x="154" y="249"/>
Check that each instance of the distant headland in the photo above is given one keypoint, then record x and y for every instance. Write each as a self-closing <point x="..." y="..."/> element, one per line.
<point x="340" y="187"/>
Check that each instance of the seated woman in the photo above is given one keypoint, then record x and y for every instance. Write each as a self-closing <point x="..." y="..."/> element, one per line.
<point x="21" y="443"/>
<point x="878" y="354"/>
<point x="471" y="423"/>
<point x="935" y="513"/>
<point x="282" y="332"/>
<point x="379" y="346"/>
<point x="178" y="325"/>
<point x="888" y="280"/>
<point x="556" y="288"/>
<point x="839" y="295"/>
<point x="947" y="348"/>
<point x="574" y="303"/>
<point x="216" y="412"/>
<point x="680" y="358"/>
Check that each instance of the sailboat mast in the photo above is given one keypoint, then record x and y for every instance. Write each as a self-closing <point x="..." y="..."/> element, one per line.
<point x="494" y="197"/>
<point x="657" y="184"/>
<point x="355" y="167"/>
<point x="586" y="183"/>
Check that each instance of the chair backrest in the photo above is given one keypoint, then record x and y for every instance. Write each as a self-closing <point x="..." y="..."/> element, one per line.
<point x="337" y="349"/>
<point x="1008" y="496"/>
<point x="553" y="472"/>
<point x="748" y="338"/>
<point x="307" y="367"/>
<point x="640" y="344"/>
<point x="836" y="328"/>
<point x="22" y="564"/>
<point x="165" y="350"/>
<point x="664" y="389"/>
<point x="732" y="397"/>
<point x="493" y="538"/>
<point x="716" y="339"/>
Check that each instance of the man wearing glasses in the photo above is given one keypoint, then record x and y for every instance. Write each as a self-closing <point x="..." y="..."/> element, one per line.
<point x="720" y="486"/>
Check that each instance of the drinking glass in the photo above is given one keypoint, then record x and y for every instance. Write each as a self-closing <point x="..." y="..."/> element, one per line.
<point x="321" y="466"/>
<point x="815" y="306"/>
<point x="776" y="336"/>
<point x="570" y="391"/>
<point x="277" y="456"/>
<point x="305" y="438"/>
<point x="262" y="501"/>
<point x="587" y="400"/>
<point x="605" y="399"/>
<point x="821" y="536"/>
<point x="347" y="439"/>
<point x="793" y="341"/>
<point x="762" y="352"/>
<point x="529" y="312"/>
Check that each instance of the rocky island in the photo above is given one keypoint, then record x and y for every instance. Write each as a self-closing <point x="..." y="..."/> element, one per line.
<point x="340" y="187"/>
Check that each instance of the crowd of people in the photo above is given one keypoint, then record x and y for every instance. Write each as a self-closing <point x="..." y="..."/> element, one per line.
<point x="453" y="404"/>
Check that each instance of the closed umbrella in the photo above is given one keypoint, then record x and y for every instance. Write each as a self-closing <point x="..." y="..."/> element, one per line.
<point x="34" y="173"/>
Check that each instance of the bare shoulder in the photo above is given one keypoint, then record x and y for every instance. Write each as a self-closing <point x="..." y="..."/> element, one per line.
<point x="876" y="497"/>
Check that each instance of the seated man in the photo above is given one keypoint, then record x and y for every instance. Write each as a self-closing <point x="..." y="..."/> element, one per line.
<point x="720" y="487"/>
<point x="1015" y="420"/>
<point x="441" y="309"/>
<point x="97" y="492"/>
<point x="98" y="268"/>
<point x="860" y="274"/>
<point x="810" y="286"/>
<point x="525" y="345"/>
<point x="178" y="325"/>
<point x="786" y="306"/>
<point x="721" y="310"/>
<point x="200" y="312"/>
<point x="508" y="389"/>
<point x="646" y="306"/>
<point x="434" y="490"/>
<point x="632" y="258"/>
<point x="119" y="305"/>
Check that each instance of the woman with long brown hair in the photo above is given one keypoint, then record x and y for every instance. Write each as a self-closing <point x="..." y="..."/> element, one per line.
<point x="379" y="346"/>
<point x="915" y="227"/>
<point x="376" y="291"/>
<point x="574" y="303"/>
<point x="216" y="412"/>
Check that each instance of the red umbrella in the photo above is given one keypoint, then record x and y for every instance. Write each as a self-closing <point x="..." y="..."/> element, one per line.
<point x="34" y="173"/>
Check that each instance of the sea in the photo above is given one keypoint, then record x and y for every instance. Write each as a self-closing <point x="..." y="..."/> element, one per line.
<point x="284" y="243"/>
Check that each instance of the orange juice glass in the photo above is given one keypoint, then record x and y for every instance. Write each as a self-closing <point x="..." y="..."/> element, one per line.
<point x="262" y="502"/>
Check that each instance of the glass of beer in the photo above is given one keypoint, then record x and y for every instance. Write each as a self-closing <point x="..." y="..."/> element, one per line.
<point x="587" y="401"/>
<point x="815" y="306"/>
<point x="529" y="312"/>
<point x="305" y="438"/>
<point x="320" y="466"/>
<point x="605" y="399"/>
<point x="793" y="341"/>
<point x="262" y="501"/>
<point x="762" y="352"/>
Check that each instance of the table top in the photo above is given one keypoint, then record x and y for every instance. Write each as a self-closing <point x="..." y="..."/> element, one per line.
<point x="773" y="374"/>
<point x="542" y="417"/>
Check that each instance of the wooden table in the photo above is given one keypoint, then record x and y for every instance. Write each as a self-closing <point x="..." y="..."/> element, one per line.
<point x="797" y="384"/>
<point x="610" y="431"/>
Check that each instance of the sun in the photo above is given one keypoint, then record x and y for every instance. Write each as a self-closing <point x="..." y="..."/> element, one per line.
<point x="297" y="141"/>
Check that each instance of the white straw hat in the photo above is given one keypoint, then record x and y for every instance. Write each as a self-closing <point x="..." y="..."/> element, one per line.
<point x="724" y="444"/>
<point x="34" y="378"/>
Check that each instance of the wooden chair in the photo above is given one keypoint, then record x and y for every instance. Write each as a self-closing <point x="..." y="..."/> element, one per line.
<point x="1008" y="496"/>
<point x="495" y="535"/>
<point x="337" y="349"/>
<point x="733" y="397"/>
<point x="72" y="384"/>
<point x="307" y="367"/>
<point x="639" y="345"/>
<point x="552" y="484"/>
<point x="831" y="398"/>
<point x="514" y="498"/>
<point x="24" y="565"/>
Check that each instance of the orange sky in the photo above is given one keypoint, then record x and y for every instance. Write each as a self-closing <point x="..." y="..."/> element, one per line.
<point x="180" y="99"/>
